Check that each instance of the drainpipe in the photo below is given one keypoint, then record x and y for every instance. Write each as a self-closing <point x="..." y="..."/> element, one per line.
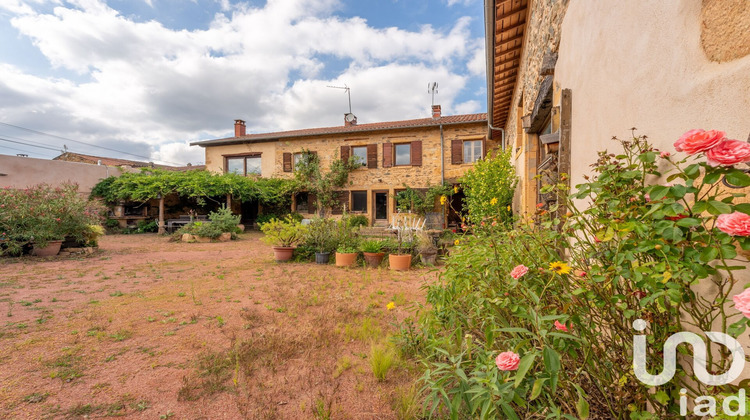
<point x="489" y="29"/>
<point x="502" y="132"/>
<point x="442" y="168"/>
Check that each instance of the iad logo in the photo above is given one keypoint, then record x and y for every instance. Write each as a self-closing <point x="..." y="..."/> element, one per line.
<point x="704" y="405"/>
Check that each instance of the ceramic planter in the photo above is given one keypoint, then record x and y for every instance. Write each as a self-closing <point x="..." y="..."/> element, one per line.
<point x="322" y="257"/>
<point x="399" y="262"/>
<point x="374" y="258"/>
<point x="429" y="258"/>
<point x="283" y="253"/>
<point x="52" y="249"/>
<point x="346" y="260"/>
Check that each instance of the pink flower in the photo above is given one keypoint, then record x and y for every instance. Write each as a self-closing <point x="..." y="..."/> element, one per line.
<point x="735" y="224"/>
<point x="728" y="153"/>
<point x="507" y="360"/>
<point x="695" y="141"/>
<point x="741" y="302"/>
<point x="519" y="271"/>
<point x="560" y="326"/>
<point x="664" y="154"/>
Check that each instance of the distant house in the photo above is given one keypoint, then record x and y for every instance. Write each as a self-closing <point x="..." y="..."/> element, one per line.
<point x="418" y="153"/>
<point x="564" y="77"/>
<point x="99" y="160"/>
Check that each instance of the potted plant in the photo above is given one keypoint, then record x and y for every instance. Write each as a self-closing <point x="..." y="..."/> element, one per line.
<point x="373" y="251"/>
<point x="283" y="235"/>
<point x="321" y="236"/>
<point x="400" y="260"/>
<point x="426" y="248"/>
<point x="346" y="252"/>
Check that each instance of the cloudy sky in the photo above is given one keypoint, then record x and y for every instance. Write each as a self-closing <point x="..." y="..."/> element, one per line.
<point x="149" y="76"/>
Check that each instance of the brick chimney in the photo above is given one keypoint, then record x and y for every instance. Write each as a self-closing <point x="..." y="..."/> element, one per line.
<point x="436" y="111"/>
<point x="350" y="120"/>
<point x="239" y="128"/>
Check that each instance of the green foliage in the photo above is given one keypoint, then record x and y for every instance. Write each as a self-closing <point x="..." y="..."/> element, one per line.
<point x="311" y="178"/>
<point x="285" y="233"/>
<point x="631" y="256"/>
<point x="411" y="200"/>
<point x="371" y="245"/>
<point x="220" y="221"/>
<point x="149" y="184"/>
<point x="488" y="187"/>
<point x="346" y="239"/>
<point x="357" y="221"/>
<point x="42" y="213"/>
<point x="321" y="235"/>
<point x="381" y="357"/>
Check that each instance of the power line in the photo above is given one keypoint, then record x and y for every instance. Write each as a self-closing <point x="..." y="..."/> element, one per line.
<point x="28" y="144"/>
<point x="21" y="150"/>
<point x="81" y="142"/>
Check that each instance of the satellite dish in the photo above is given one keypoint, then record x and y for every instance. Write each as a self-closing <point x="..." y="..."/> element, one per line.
<point x="350" y="117"/>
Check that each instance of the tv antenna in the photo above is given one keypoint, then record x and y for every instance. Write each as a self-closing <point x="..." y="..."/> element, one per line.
<point x="432" y="88"/>
<point x="348" y="93"/>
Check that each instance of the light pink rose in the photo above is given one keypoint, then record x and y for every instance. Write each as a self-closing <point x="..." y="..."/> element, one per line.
<point x="507" y="360"/>
<point x="560" y="326"/>
<point x="695" y="141"/>
<point x="742" y="302"/>
<point x="735" y="224"/>
<point x="664" y="154"/>
<point x="519" y="271"/>
<point x="728" y="153"/>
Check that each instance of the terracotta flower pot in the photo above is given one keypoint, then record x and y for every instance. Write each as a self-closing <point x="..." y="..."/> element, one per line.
<point x="283" y="253"/>
<point x="52" y="249"/>
<point x="374" y="258"/>
<point x="346" y="260"/>
<point x="399" y="262"/>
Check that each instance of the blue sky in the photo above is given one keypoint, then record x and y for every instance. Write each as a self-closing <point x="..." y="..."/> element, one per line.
<point x="149" y="76"/>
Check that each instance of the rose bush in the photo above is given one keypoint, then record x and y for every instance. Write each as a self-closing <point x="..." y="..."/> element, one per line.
<point x="639" y="250"/>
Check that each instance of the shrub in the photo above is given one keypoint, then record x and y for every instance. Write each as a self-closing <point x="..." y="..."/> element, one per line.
<point x="562" y="294"/>
<point x="43" y="213"/>
<point x="283" y="233"/>
<point x="488" y="187"/>
<point x="371" y="245"/>
<point x="321" y="235"/>
<point x="356" y="221"/>
<point x="225" y="221"/>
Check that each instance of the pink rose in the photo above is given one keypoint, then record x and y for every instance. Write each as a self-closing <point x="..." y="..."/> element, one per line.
<point x="519" y="271"/>
<point x="664" y="155"/>
<point x="560" y="326"/>
<point x="728" y="153"/>
<point x="741" y="302"/>
<point x="735" y="224"/>
<point x="507" y="360"/>
<point x="695" y="141"/>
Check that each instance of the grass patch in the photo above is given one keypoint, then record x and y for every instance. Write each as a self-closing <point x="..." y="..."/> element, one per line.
<point x="67" y="367"/>
<point x="213" y="370"/>
<point x="366" y="330"/>
<point x="382" y="357"/>
<point x="342" y="365"/>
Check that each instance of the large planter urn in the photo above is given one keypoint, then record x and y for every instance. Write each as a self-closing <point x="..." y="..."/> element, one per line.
<point x="429" y="257"/>
<point x="374" y="259"/>
<point x="283" y="253"/>
<point x="52" y="249"/>
<point x="346" y="259"/>
<point x="399" y="262"/>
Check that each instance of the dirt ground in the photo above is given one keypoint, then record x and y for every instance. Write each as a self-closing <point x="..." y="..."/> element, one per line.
<point x="151" y="329"/>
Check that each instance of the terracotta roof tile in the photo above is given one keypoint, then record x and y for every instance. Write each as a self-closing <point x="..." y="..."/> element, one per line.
<point x="94" y="160"/>
<point x="359" y="128"/>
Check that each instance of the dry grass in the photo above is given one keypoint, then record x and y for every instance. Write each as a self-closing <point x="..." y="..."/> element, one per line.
<point x="151" y="329"/>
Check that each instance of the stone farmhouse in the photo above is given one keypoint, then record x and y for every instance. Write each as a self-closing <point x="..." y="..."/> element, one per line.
<point x="417" y="153"/>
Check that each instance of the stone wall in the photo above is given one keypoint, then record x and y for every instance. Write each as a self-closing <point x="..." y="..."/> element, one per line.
<point x="725" y="29"/>
<point x="389" y="179"/>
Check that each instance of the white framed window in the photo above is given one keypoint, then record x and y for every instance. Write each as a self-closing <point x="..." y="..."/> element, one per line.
<point x="472" y="151"/>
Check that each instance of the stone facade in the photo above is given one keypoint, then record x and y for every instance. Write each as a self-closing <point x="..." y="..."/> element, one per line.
<point x="542" y="39"/>
<point x="381" y="179"/>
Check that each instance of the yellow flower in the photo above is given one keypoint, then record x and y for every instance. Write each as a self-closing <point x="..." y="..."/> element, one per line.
<point x="390" y="305"/>
<point x="443" y="200"/>
<point x="559" y="267"/>
<point x="456" y="242"/>
<point x="493" y="201"/>
<point x="508" y="208"/>
<point x="455" y="189"/>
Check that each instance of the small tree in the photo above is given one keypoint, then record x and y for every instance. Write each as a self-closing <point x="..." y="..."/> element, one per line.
<point x="489" y="187"/>
<point x="310" y="177"/>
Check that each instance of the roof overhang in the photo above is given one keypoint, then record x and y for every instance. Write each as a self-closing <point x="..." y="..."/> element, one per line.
<point x="505" y="30"/>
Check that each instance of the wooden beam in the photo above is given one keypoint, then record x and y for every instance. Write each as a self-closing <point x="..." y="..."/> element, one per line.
<point x="498" y="45"/>
<point x="510" y="12"/>
<point x="509" y="60"/>
<point x="521" y="22"/>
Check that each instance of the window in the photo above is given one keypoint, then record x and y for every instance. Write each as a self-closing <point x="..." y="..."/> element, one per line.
<point x="360" y="152"/>
<point x="403" y="154"/>
<point x="359" y="201"/>
<point x="472" y="151"/>
<point x="297" y="159"/>
<point x="301" y="200"/>
<point x="243" y="165"/>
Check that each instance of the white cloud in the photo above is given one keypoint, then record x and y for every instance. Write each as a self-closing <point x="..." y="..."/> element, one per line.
<point x="153" y="87"/>
<point x="461" y="2"/>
